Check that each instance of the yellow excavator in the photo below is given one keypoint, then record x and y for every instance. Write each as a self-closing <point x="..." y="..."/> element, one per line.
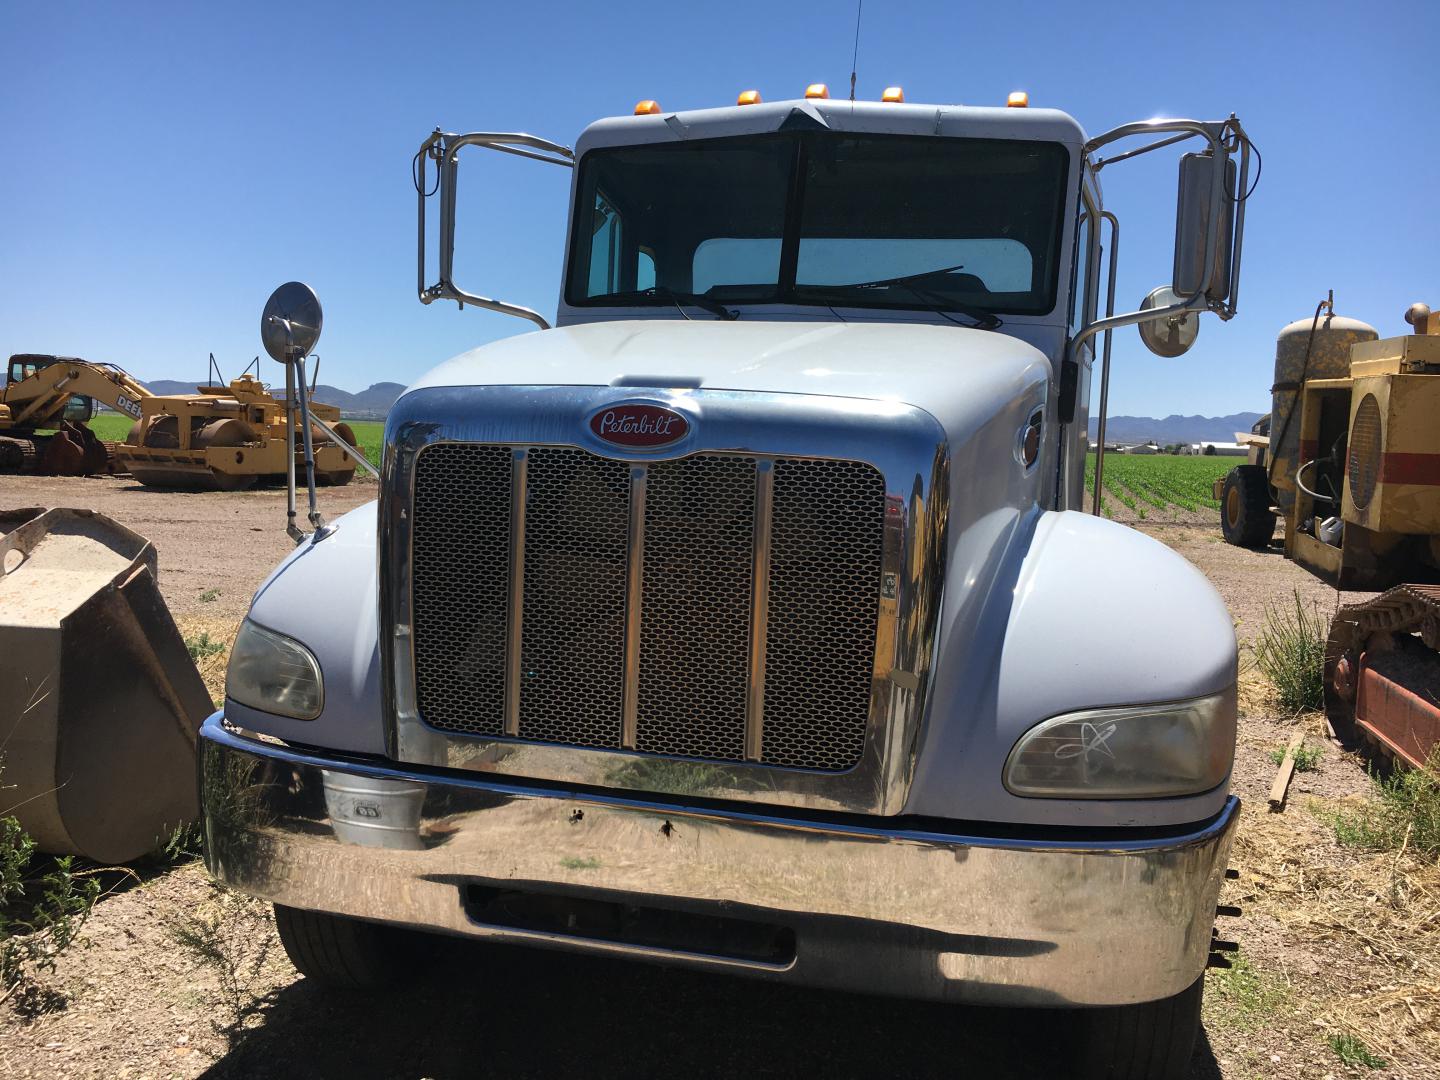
<point x="224" y="437"/>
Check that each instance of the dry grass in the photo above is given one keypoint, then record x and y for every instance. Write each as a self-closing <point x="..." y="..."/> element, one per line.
<point x="217" y="634"/>
<point x="1375" y="917"/>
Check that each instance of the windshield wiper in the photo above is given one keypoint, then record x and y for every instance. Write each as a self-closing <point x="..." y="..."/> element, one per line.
<point x="935" y="301"/>
<point x="664" y="292"/>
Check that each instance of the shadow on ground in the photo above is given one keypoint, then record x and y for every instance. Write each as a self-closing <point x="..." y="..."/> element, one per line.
<point x="499" y="1012"/>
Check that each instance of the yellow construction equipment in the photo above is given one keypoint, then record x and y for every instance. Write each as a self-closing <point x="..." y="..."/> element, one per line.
<point x="1352" y="465"/>
<point x="220" y="437"/>
<point x="43" y="408"/>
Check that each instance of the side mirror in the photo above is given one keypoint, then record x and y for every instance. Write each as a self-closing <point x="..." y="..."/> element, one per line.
<point x="290" y="324"/>
<point x="1204" y="210"/>
<point x="1169" y="335"/>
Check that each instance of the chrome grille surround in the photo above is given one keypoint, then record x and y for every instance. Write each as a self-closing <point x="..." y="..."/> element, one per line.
<point x="792" y="443"/>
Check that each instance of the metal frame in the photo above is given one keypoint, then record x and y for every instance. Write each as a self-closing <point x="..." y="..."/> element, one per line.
<point x="442" y="148"/>
<point x="1224" y="138"/>
<point x="905" y="444"/>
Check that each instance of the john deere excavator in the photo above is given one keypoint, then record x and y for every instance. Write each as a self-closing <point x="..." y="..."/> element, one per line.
<point x="1351" y="464"/>
<point x="220" y="437"/>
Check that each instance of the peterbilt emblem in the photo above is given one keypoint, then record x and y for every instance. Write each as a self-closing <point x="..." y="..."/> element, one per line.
<point x="639" y="425"/>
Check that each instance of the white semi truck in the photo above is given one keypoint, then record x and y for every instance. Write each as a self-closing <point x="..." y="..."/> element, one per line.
<point x="745" y="619"/>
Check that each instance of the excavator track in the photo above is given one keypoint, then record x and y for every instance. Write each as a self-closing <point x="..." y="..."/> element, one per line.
<point x="1382" y="673"/>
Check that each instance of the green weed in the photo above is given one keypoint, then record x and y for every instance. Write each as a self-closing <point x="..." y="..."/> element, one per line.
<point x="1291" y="654"/>
<point x="1243" y="997"/>
<point x="209" y="596"/>
<point x="1349" y="1049"/>
<point x="202" y="645"/>
<point x="1307" y="758"/>
<point x="570" y="862"/>
<point x="1407" y="814"/>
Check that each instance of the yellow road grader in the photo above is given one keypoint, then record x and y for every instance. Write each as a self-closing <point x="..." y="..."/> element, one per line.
<point x="1351" y="464"/>
<point x="225" y="437"/>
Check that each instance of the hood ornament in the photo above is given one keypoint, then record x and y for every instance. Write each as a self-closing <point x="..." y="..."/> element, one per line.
<point x="639" y="426"/>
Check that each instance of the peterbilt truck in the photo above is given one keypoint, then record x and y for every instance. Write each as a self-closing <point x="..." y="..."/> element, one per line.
<point x="748" y="618"/>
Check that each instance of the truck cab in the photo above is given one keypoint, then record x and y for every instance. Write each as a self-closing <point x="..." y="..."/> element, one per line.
<point x="744" y="618"/>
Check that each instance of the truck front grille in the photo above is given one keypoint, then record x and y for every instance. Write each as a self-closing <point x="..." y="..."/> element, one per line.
<point x="720" y="607"/>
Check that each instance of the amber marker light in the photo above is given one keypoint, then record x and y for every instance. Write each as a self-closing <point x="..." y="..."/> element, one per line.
<point x="749" y="97"/>
<point x="894" y="95"/>
<point x="817" y="90"/>
<point x="651" y="108"/>
<point x="1019" y="100"/>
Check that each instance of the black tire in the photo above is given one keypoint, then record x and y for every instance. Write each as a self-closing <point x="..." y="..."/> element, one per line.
<point x="1245" y="515"/>
<point x="1151" y="1041"/>
<point x="340" y="953"/>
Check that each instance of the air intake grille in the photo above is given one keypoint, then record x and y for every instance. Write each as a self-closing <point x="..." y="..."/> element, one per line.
<point x="684" y="539"/>
<point x="1365" y="440"/>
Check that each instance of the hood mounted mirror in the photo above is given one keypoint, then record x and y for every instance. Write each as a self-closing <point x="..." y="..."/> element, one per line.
<point x="1171" y="335"/>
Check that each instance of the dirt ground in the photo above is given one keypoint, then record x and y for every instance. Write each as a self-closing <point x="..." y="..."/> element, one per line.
<point x="1330" y="939"/>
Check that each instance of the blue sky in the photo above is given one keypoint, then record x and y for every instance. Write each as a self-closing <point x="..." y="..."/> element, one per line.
<point x="165" y="166"/>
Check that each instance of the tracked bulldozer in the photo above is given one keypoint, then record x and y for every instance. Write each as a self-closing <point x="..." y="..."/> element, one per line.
<point x="222" y="437"/>
<point x="1351" y="465"/>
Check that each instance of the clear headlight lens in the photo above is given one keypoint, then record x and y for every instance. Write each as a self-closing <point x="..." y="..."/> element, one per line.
<point x="274" y="673"/>
<point x="1135" y="752"/>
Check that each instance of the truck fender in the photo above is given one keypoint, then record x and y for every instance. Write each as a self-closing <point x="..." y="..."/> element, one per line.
<point x="1084" y="613"/>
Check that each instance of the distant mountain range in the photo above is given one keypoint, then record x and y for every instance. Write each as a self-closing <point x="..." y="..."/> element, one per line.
<point x="1174" y="429"/>
<point x="371" y="403"/>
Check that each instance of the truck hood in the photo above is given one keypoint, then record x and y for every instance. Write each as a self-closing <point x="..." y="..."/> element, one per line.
<point x="961" y="376"/>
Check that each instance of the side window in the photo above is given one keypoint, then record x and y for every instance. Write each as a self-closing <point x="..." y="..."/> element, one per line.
<point x="604" y="248"/>
<point x="1080" y="299"/>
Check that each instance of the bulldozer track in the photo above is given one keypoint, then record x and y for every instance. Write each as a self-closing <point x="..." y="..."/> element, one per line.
<point x="1405" y="613"/>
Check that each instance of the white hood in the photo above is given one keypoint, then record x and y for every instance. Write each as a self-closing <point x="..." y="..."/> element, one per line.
<point x="952" y="372"/>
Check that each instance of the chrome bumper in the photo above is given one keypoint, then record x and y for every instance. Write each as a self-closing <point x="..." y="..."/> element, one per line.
<point x="1016" y="921"/>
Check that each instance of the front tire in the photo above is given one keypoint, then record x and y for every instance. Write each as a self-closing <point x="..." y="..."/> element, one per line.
<point x="1245" y="515"/>
<point x="340" y="953"/>
<point x="1150" y="1041"/>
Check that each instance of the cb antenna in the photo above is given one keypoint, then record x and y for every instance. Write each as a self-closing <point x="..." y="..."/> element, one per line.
<point x="855" y="55"/>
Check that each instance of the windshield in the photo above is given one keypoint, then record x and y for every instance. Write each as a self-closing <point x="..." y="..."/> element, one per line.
<point x="821" y="218"/>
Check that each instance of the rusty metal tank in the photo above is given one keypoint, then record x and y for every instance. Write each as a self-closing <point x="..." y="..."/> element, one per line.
<point x="99" y="699"/>
<point x="1298" y="360"/>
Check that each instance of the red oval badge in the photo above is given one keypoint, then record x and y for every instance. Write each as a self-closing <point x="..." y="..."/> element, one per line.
<point x="639" y="425"/>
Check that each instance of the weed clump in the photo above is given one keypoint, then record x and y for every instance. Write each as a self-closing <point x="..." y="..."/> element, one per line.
<point x="41" y="916"/>
<point x="202" y="645"/>
<point x="1407" y="815"/>
<point x="1349" y="1049"/>
<point x="1291" y="654"/>
<point x="1307" y="758"/>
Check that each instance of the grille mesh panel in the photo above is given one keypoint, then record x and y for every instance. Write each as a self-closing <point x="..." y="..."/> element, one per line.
<point x="1365" y="447"/>
<point x="826" y="535"/>
<point x="577" y="513"/>
<point x="461" y="573"/>
<point x="826" y="540"/>
<point x="695" y="634"/>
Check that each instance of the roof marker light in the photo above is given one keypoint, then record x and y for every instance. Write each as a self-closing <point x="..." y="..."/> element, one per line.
<point x="1019" y="99"/>
<point x="817" y="90"/>
<point x="749" y="97"/>
<point x="893" y="94"/>
<point x="648" y="108"/>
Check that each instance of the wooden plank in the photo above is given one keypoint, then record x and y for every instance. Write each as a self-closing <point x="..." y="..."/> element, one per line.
<point x="1287" y="769"/>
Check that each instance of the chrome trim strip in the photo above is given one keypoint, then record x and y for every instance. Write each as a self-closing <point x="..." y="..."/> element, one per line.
<point x="519" y="472"/>
<point x="759" y="609"/>
<point x="904" y="443"/>
<point x="915" y="912"/>
<point x="634" y="594"/>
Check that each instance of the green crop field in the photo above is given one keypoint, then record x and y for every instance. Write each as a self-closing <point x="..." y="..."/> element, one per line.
<point x="368" y="433"/>
<point x="1145" y="483"/>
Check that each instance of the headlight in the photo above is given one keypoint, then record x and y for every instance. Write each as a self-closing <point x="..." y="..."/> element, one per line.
<point x="274" y="674"/>
<point x="1135" y="752"/>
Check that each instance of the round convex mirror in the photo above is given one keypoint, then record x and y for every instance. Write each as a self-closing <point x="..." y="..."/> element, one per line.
<point x="290" y="324"/>
<point x="1174" y="334"/>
